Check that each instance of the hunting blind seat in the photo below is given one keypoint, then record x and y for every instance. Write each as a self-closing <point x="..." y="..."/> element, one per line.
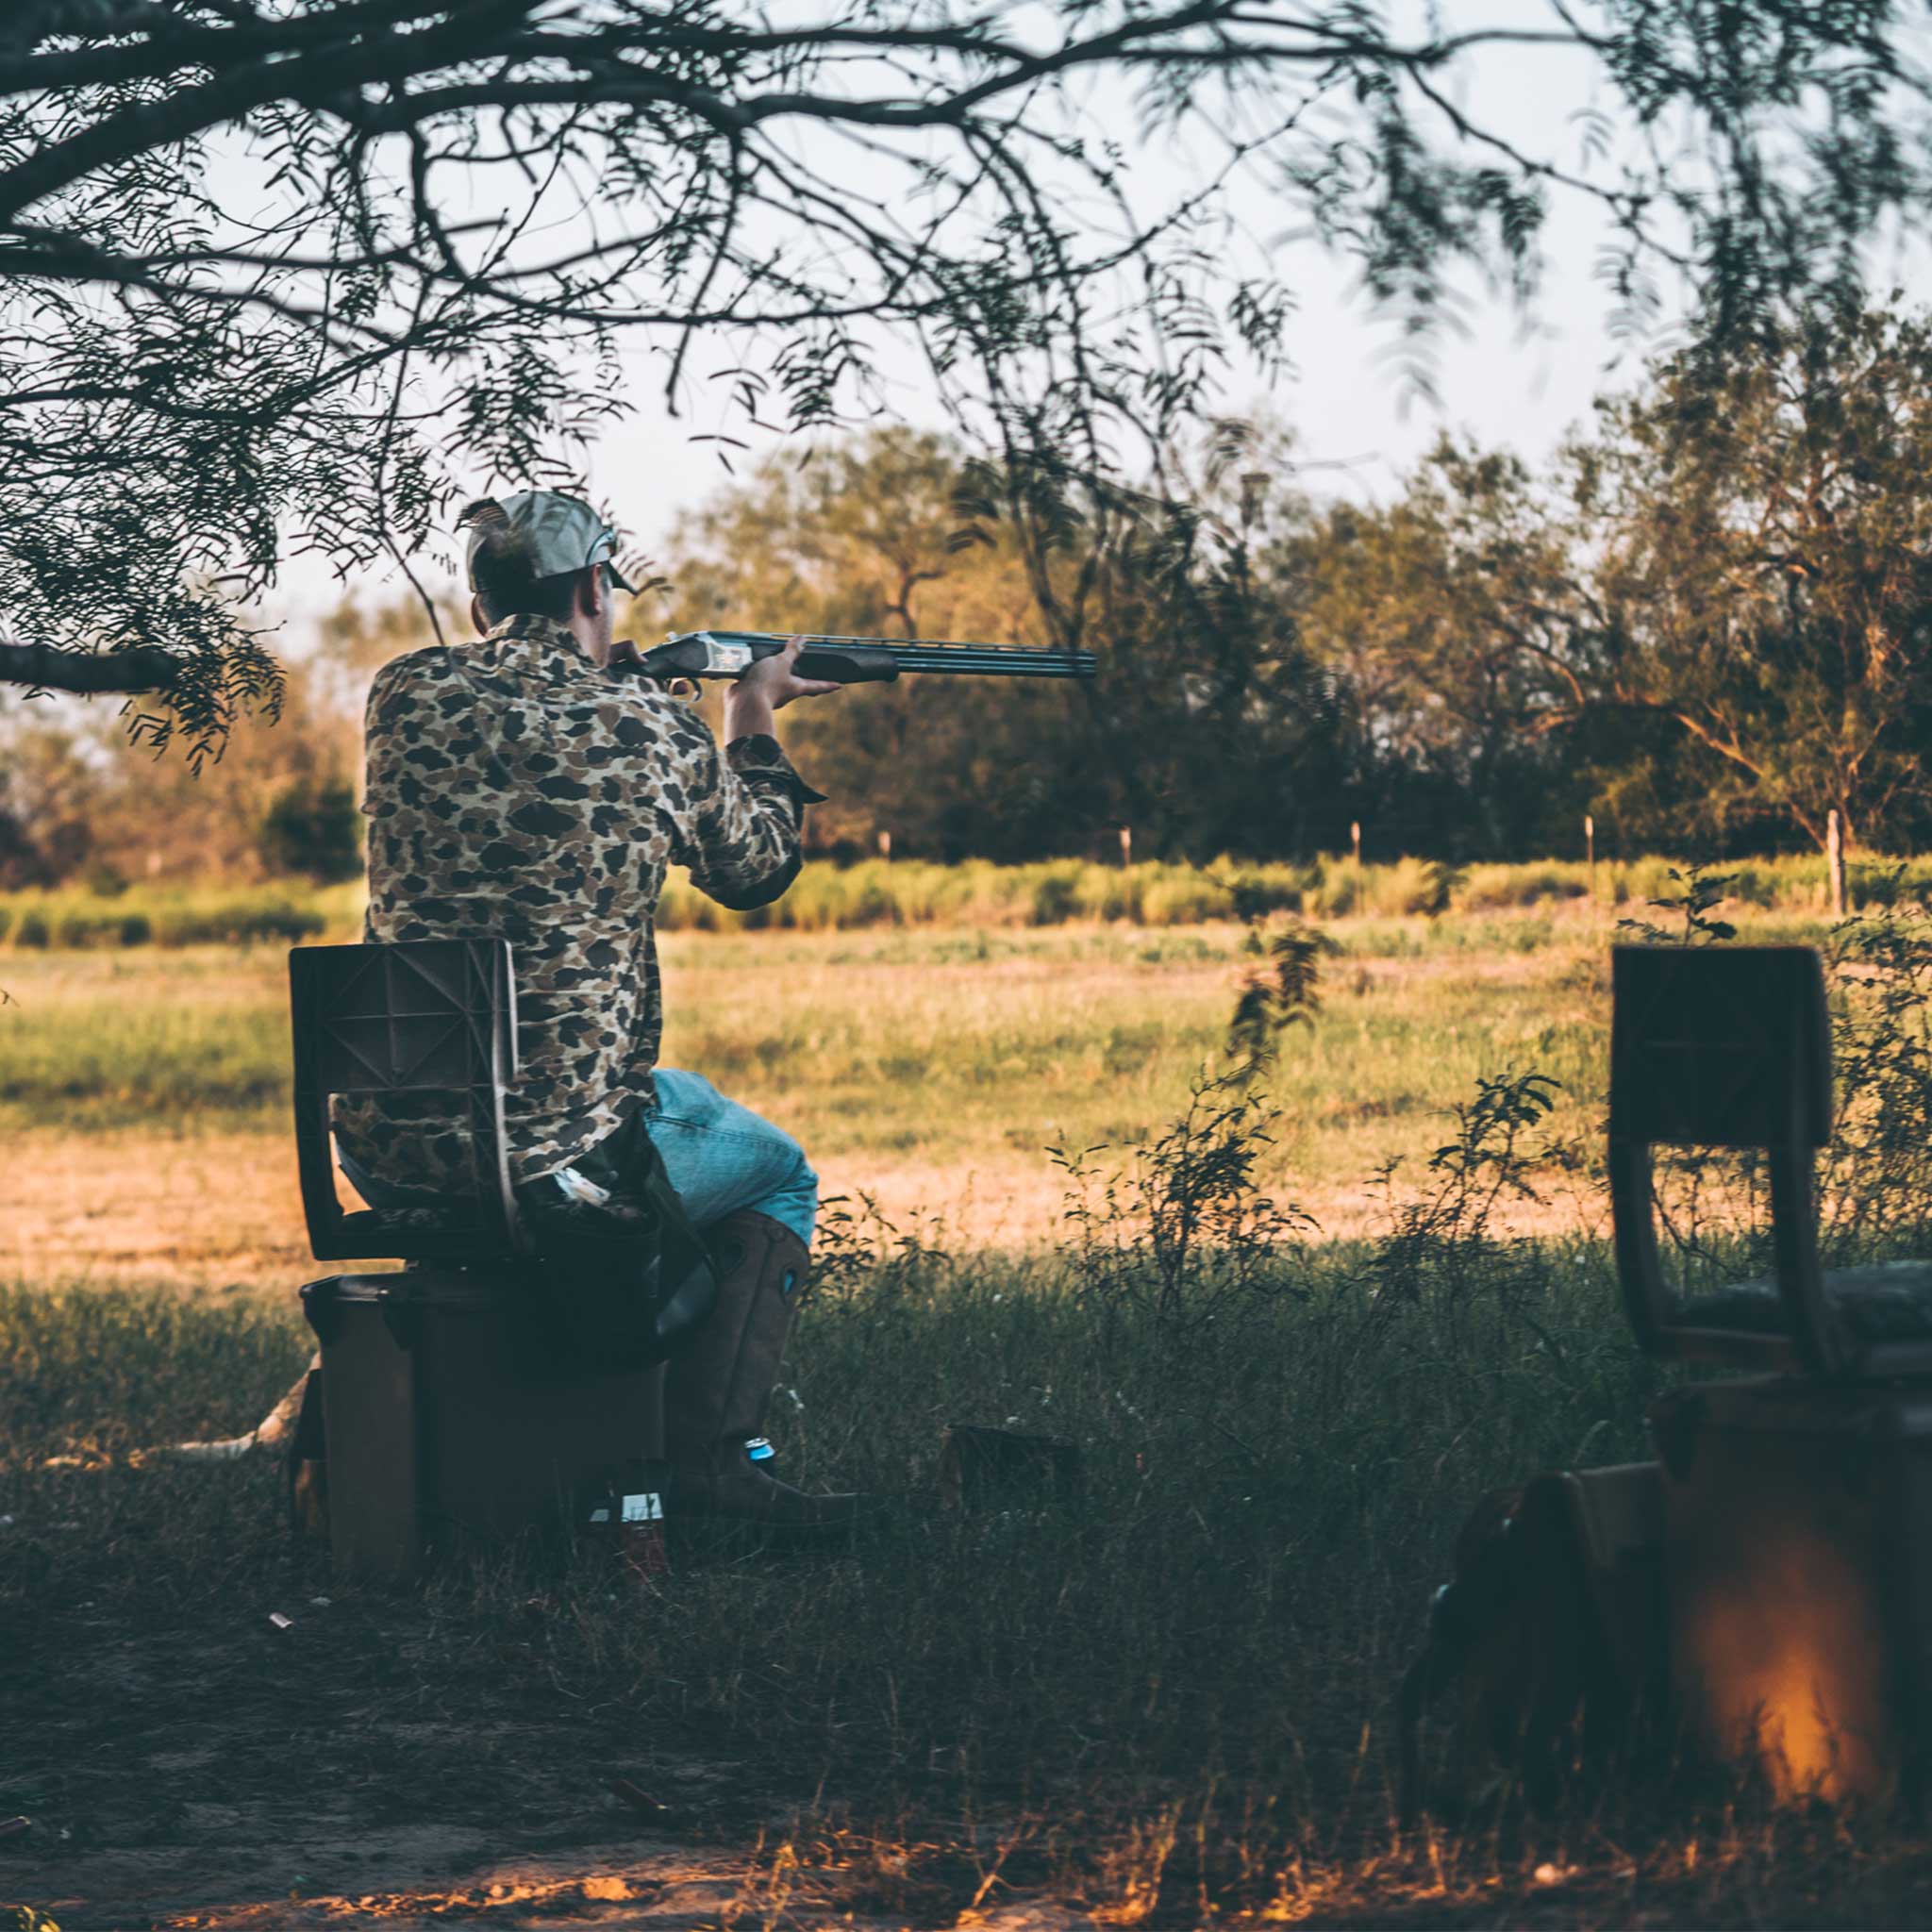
<point x="1797" y="1498"/>
<point x="451" y="1407"/>
<point x="1767" y="1581"/>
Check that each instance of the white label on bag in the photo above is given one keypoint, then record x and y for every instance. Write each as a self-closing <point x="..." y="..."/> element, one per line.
<point x="578" y="1187"/>
<point x="647" y="1508"/>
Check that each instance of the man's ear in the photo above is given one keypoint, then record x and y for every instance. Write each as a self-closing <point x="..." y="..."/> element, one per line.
<point x="592" y="592"/>
<point x="477" y="616"/>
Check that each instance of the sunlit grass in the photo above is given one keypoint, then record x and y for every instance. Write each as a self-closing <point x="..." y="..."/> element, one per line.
<point x="915" y="1051"/>
<point x="976" y="896"/>
<point x="1171" y="1693"/>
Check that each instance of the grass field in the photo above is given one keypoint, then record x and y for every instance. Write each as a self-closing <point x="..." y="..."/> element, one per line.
<point x="929" y="1070"/>
<point x="1168" y="1702"/>
<point x="978" y="895"/>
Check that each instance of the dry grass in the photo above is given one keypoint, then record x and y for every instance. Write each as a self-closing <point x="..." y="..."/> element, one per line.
<point x="144" y="1095"/>
<point x="1169" y="1706"/>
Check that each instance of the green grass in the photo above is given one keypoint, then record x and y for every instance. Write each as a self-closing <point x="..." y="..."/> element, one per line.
<point x="975" y="894"/>
<point x="922" y="1043"/>
<point x="73" y="919"/>
<point x="1166" y="1697"/>
<point x="920" y="1050"/>
<point x="1201" y="1647"/>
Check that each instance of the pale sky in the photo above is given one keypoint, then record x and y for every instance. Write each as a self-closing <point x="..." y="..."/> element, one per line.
<point x="1506" y="380"/>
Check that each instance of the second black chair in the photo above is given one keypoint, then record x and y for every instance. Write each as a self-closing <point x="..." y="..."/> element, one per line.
<point x="1730" y="1047"/>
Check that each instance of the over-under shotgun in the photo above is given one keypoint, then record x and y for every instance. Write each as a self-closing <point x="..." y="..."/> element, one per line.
<point x="851" y="660"/>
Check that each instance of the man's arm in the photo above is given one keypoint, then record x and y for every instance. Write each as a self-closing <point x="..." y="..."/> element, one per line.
<point x="744" y="849"/>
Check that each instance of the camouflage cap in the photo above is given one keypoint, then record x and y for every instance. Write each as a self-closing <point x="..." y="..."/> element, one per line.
<point x="557" y="532"/>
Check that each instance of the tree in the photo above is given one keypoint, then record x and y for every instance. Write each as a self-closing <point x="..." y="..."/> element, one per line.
<point x="1452" y="616"/>
<point x="269" y="273"/>
<point x="48" y="787"/>
<point x="86" y="800"/>
<point x="860" y="540"/>
<point x="312" y="827"/>
<point x="1208" y="730"/>
<point x="1762" y="524"/>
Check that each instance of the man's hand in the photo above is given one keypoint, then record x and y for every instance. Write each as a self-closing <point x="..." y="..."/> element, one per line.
<point x="773" y="677"/>
<point x="752" y="700"/>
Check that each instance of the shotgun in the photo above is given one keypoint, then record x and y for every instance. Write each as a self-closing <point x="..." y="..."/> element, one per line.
<point x="848" y="660"/>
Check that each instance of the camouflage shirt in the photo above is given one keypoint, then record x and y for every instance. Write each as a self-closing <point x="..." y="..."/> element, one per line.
<point x="517" y="790"/>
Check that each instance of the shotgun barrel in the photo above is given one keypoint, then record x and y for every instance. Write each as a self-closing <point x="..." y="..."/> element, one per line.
<point x="852" y="660"/>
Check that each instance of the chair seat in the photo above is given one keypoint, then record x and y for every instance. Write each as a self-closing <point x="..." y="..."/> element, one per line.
<point x="448" y="1216"/>
<point x="1886" y="1301"/>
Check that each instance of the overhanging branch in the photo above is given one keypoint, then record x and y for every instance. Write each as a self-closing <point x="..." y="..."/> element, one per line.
<point x="42" y="667"/>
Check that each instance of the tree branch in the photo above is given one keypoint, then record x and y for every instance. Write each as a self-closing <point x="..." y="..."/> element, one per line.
<point x="42" y="667"/>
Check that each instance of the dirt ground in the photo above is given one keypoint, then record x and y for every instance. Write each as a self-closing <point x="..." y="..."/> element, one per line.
<point x="203" y="1767"/>
<point x="223" y="1210"/>
<point x="422" y="1877"/>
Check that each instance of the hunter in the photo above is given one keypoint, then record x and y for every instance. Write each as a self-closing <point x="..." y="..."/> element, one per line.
<point x="518" y="788"/>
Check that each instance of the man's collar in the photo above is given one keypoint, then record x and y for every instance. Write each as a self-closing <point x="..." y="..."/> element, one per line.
<point x="536" y="644"/>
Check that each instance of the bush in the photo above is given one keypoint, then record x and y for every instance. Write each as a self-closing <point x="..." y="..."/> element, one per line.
<point x="313" y="827"/>
<point x="78" y="930"/>
<point x="234" y="922"/>
<point x="976" y="894"/>
<point x="1056" y="894"/>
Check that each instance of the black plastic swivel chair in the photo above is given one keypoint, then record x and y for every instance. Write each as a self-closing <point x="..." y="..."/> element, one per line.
<point x="1730" y="1047"/>
<point x="451" y="1408"/>
<point x="1798" y="1503"/>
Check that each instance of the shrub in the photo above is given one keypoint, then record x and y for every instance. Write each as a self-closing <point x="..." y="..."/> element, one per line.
<point x="1178" y="896"/>
<point x="1055" y="896"/>
<point x="312" y="827"/>
<point x="1492" y="888"/>
<point x="79" y="930"/>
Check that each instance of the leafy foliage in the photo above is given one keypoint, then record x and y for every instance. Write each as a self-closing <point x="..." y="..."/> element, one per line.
<point x="1283" y="993"/>
<point x="312" y="827"/>
<point x="1702" y="892"/>
<point x="267" y="276"/>
<point x="1185" y="1231"/>
<point x="1763" y="517"/>
<point x="1443" y="1236"/>
<point x="1876" y="1188"/>
<point x="1707" y="619"/>
<point x="1208" y="730"/>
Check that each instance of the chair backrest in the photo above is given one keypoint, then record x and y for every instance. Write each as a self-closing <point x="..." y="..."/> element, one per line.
<point x="1723" y="1046"/>
<point x="430" y="1014"/>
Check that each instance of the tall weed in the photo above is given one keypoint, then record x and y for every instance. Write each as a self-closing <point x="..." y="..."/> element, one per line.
<point x="1443" y="1236"/>
<point x="1876" y="1186"/>
<point x="1184" y="1229"/>
<point x="910" y="892"/>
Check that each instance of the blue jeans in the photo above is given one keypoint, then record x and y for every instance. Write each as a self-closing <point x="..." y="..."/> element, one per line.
<point x="720" y="1156"/>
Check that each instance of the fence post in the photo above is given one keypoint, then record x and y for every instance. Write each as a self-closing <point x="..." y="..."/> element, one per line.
<point x="1354" y="838"/>
<point x="1126" y="845"/>
<point x="886" y="847"/>
<point x="1590" y="851"/>
<point x="1834" y="860"/>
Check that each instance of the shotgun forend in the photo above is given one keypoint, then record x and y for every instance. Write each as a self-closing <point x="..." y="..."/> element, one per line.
<point x="851" y="660"/>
